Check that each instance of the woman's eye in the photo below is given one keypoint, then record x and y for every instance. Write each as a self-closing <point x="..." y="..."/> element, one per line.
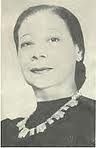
<point x="54" y="39"/>
<point x="26" y="44"/>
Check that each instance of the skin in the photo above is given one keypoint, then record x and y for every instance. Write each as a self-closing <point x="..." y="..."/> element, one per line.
<point x="45" y="41"/>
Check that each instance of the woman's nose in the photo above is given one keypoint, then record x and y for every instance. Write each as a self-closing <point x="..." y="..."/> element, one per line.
<point x="37" y="57"/>
<point x="39" y="52"/>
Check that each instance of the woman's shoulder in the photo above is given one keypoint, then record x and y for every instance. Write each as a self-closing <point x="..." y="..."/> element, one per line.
<point x="90" y="100"/>
<point x="9" y="131"/>
<point x="82" y="116"/>
<point x="86" y="108"/>
<point x="87" y="103"/>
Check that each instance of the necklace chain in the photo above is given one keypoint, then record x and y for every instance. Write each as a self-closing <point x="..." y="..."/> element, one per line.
<point x="42" y="127"/>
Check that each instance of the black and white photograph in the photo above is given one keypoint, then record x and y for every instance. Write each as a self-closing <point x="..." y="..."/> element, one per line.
<point x="48" y="73"/>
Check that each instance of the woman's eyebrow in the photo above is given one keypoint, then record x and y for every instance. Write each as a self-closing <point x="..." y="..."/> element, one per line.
<point x="24" y="35"/>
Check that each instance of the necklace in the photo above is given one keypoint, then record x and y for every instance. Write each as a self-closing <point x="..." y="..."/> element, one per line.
<point x="42" y="127"/>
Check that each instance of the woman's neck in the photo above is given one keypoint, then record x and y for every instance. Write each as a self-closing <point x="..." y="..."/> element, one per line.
<point x="55" y="92"/>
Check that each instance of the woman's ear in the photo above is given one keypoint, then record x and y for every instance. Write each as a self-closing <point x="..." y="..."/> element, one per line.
<point x="78" y="54"/>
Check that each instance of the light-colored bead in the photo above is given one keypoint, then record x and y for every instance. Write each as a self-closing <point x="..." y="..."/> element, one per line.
<point x="64" y="108"/>
<point x="23" y="133"/>
<point x="59" y="114"/>
<point x="50" y="120"/>
<point x="32" y="131"/>
<point x="40" y="128"/>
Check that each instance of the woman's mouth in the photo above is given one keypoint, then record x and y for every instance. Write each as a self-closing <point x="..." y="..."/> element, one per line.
<point x="40" y="70"/>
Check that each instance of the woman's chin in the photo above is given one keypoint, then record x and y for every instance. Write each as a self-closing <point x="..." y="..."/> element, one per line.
<point x="40" y="84"/>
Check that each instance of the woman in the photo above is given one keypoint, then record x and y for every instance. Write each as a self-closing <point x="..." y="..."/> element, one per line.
<point x="50" y="49"/>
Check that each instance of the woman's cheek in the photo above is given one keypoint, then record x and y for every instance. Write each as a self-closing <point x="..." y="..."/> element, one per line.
<point x="24" y="57"/>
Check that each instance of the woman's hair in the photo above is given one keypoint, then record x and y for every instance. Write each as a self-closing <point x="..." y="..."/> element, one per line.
<point x="73" y="27"/>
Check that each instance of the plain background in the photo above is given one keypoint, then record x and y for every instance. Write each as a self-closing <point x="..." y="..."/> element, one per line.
<point x="17" y="97"/>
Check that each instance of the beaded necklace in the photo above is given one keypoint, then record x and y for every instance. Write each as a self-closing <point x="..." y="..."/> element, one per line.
<point x="42" y="127"/>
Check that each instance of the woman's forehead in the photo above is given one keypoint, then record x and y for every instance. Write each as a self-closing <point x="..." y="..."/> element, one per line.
<point x="43" y="21"/>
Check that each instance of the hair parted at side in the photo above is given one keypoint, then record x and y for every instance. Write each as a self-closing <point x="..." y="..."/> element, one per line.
<point x="74" y="29"/>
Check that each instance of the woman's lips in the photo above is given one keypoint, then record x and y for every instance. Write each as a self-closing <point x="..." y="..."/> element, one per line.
<point x="40" y="70"/>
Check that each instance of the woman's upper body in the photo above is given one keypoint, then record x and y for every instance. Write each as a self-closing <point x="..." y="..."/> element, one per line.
<point x="50" y="49"/>
<point x="76" y="128"/>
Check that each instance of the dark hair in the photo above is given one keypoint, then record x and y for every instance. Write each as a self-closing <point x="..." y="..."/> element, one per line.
<point x="74" y="29"/>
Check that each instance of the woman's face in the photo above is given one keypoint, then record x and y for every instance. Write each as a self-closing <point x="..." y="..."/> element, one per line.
<point x="46" y="50"/>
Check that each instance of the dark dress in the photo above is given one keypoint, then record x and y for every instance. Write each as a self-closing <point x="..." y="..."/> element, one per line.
<point x="77" y="128"/>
